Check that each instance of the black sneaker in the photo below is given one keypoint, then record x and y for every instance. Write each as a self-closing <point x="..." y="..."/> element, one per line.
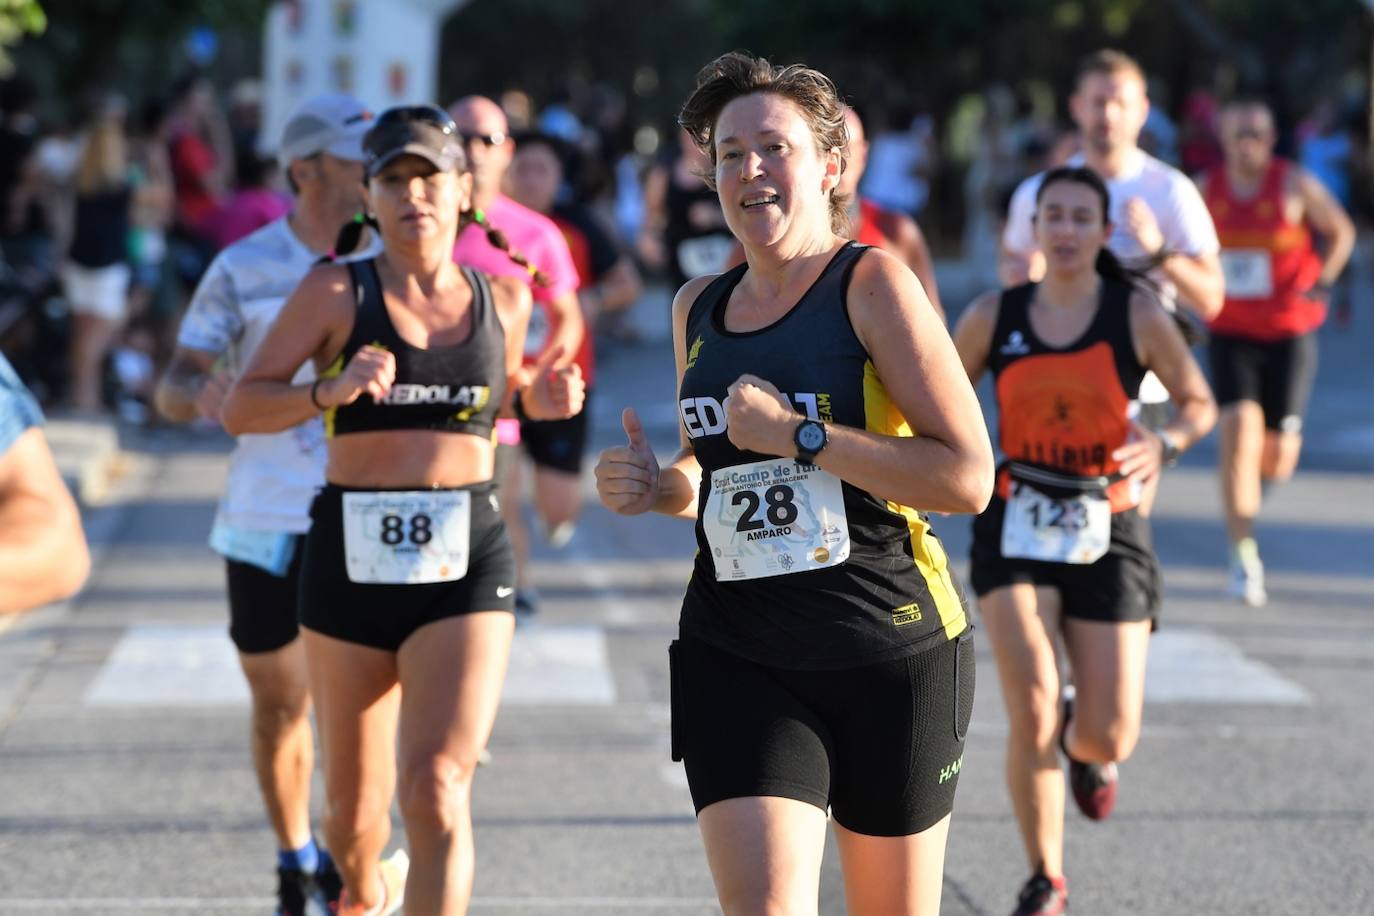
<point x="1042" y="896"/>
<point x="1093" y="785"/>
<point x="293" y="889"/>
<point x="328" y="885"/>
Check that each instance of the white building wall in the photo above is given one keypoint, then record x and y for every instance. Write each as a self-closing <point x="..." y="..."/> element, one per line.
<point x="385" y="52"/>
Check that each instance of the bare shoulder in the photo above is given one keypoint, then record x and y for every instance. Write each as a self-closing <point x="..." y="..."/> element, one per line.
<point x="1148" y="314"/>
<point x="879" y="272"/>
<point x="688" y="294"/>
<point x="510" y="293"/>
<point x="983" y="310"/>
<point x="328" y="290"/>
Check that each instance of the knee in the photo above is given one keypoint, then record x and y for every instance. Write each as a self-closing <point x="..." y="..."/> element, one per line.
<point x="278" y="704"/>
<point x="1111" y="743"/>
<point x="435" y="793"/>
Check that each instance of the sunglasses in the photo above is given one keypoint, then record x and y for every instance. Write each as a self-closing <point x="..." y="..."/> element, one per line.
<point x="495" y="139"/>
<point x="424" y="114"/>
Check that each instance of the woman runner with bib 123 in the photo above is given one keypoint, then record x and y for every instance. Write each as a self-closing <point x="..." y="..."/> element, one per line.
<point x="824" y="659"/>
<point x="407" y="578"/>
<point x="1063" y="548"/>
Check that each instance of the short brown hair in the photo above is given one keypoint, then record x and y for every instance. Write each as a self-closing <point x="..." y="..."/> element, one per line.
<point x="1109" y="62"/>
<point x="737" y="74"/>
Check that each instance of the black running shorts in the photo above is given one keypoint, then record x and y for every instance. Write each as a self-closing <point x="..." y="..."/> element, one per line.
<point x="1123" y="585"/>
<point x="383" y="616"/>
<point x="881" y="746"/>
<point x="262" y="607"/>
<point x="558" y="444"/>
<point x="1278" y="375"/>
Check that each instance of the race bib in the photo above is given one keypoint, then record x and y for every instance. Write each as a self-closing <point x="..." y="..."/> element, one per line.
<point x="537" y="331"/>
<point x="271" y="551"/>
<point x="407" y="538"/>
<point x="1248" y="273"/>
<point x="1074" y="529"/>
<point x="705" y="255"/>
<point x="773" y="518"/>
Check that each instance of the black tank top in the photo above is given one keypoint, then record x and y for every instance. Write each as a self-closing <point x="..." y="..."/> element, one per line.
<point x="1065" y="409"/>
<point x="894" y="596"/>
<point x="455" y="388"/>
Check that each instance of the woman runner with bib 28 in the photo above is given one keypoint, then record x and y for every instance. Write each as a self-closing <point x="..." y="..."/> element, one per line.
<point x="1062" y="549"/>
<point x="407" y="577"/>
<point x="824" y="659"/>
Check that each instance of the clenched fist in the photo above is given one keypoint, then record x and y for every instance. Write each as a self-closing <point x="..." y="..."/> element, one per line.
<point x="371" y="370"/>
<point x="758" y="418"/>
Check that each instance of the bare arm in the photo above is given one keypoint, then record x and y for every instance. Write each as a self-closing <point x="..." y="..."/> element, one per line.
<point x="1161" y="348"/>
<point x="190" y="387"/>
<point x="916" y="253"/>
<point x="314" y="323"/>
<point x="617" y="289"/>
<point x="1201" y="285"/>
<point x="566" y="326"/>
<point x="1016" y="267"/>
<point x="973" y="334"/>
<point x="1330" y="221"/>
<point x="43" y="552"/>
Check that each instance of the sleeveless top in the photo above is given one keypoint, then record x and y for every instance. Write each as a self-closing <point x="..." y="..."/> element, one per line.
<point x="1268" y="260"/>
<point x="894" y="595"/>
<point x="455" y="388"/>
<point x="1065" y="409"/>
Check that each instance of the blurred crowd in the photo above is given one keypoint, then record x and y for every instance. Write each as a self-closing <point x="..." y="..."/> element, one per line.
<point x="108" y="219"/>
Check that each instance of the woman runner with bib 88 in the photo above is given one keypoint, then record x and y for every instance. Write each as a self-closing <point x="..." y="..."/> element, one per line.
<point x="824" y="658"/>
<point x="407" y="579"/>
<point x="1063" y="549"/>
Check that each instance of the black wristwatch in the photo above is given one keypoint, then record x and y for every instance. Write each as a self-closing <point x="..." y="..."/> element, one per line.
<point x="1169" y="452"/>
<point x="810" y="437"/>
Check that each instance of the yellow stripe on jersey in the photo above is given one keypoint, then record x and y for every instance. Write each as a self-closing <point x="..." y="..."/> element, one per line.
<point x="882" y="416"/>
<point x="333" y="370"/>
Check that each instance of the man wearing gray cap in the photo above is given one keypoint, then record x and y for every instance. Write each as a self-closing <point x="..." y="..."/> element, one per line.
<point x="264" y="511"/>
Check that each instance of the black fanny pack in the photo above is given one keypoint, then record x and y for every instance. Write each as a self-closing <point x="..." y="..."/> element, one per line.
<point x="1058" y="485"/>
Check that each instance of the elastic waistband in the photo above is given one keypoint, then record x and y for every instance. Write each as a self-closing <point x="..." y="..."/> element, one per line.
<point x="480" y="487"/>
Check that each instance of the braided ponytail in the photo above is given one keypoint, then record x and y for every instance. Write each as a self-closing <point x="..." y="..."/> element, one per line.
<point x="349" y="237"/>
<point x="498" y="240"/>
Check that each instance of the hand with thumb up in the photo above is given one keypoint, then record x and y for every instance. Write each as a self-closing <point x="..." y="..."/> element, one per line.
<point x="627" y="475"/>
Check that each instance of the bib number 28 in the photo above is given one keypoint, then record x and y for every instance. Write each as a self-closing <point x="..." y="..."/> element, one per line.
<point x="781" y="509"/>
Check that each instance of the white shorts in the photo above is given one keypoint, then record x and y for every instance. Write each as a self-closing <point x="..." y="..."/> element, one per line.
<point x="99" y="291"/>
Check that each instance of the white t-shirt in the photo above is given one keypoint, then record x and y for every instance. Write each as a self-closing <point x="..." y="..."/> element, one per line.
<point x="272" y="477"/>
<point x="1177" y="205"/>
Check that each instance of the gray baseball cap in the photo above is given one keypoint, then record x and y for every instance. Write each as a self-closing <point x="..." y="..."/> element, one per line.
<point x="332" y="123"/>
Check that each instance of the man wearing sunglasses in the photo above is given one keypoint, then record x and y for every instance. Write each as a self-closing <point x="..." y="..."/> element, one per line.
<point x="264" y="511"/>
<point x="1263" y="345"/>
<point x="555" y="447"/>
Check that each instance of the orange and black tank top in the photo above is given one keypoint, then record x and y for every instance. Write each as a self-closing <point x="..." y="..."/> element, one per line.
<point x="1066" y="409"/>
<point x="894" y="595"/>
<point x="1269" y="261"/>
<point x="455" y="388"/>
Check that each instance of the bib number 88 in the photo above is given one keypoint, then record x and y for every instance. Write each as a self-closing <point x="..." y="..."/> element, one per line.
<point x="781" y="510"/>
<point x="393" y="529"/>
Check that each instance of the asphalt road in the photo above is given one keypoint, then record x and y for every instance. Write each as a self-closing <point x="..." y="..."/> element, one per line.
<point x="126" y="786"/>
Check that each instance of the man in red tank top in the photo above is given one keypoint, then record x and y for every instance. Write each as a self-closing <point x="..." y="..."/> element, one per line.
<point x="1263" y="343"/>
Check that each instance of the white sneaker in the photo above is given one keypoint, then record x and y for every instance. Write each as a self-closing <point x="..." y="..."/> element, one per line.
<point x="1247" y="575"/>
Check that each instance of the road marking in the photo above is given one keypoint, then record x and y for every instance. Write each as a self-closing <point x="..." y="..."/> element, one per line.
<point x="196" y="665"/>
<point x="239" y="904"/>
<point x="557" y="665"/>
<point x="1194" y="666"/>
<point x="170" y="665"/>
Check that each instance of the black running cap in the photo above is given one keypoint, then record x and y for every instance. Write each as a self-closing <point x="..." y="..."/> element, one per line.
<point x="421" y="131"/>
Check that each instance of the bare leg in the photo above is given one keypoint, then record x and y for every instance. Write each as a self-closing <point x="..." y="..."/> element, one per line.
<point x="1241" y="439"/>
<point x="283" y="744"/>
<point x="893" y="875"/>
<point x="1108" y="661"/>
<point x="765" y="855"/>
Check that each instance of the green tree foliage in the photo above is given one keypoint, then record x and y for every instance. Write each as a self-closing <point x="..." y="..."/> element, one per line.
<point x="18" y="18"/>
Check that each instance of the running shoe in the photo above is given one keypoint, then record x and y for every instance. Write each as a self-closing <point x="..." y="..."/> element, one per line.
<point x="293" y="890"/>
<point x="1247" y="574"/>
<point x="328" y="886"/>
<point x="1042" y="896"/>
<point x="1093" y="784"/>
<point x="394" y="869"/>
<point x="559" y="535"/>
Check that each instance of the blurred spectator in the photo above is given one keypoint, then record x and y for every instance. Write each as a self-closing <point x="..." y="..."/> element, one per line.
<point x="201" y="152"/>
<point x="1199" y="148"/>
<point x="1326" y="148"/>
<point x="684" y="230"/>
<point x="256" y="201"/>
<point x="43" y="552"/>
<point x="609" y="284"/>
<point x="245" y="120"/>
<point x="901" y="158"/>
<point x="518" y="108"/>
<point x="95" y="275"/>
<point x="153" y="292"/>
<point x="1159" y="137"/>
<point x="26" y="232"/>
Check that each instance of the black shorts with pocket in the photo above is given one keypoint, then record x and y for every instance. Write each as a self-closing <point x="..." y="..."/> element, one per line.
<point x="1122" y="585"/>
<point x="558" y="444"/>
<point x="384" y="616"/>
<point x="881" y="745"/>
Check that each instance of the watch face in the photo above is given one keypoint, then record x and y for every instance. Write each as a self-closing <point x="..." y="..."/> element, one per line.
<point x="811" y="436"/>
